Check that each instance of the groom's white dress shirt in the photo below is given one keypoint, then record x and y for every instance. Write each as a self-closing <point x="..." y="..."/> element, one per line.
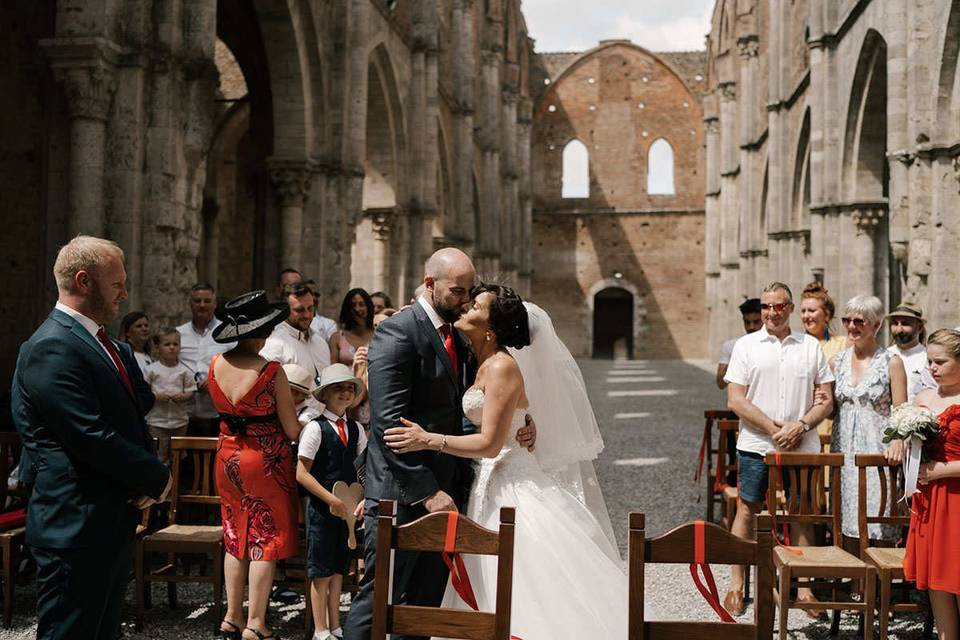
<point x="432" y="314"/>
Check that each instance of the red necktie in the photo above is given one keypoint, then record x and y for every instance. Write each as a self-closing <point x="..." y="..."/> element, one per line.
<point x="342" y="431"/>
<point x="112" y="350"/>
<point x="448" y="343"/>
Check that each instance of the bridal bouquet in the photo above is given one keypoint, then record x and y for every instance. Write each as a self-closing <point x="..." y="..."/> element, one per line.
<point x="914" y="425"/>
<point x="909" y="423"/>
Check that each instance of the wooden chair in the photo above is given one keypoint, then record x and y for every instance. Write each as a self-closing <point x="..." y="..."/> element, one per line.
<point x="804" y="503"/>
<point x="887" y="560"/>
<point x="179" y="538"/>
<point x="728" y="493"/>
<point x="13" y="534"/>
<point x="706" y="454"/>
<point x="428" y="534"/>
<point x="720" y="547"/>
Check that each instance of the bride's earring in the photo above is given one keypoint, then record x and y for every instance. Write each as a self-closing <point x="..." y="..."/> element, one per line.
<point x="488" y="336"/>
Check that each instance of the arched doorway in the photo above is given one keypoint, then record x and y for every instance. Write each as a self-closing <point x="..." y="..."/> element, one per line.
<point x="613" y="323"/>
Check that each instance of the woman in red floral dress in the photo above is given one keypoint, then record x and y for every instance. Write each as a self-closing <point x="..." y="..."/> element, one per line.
<point x="932" y="558"/>
<point x="255" y="467"/>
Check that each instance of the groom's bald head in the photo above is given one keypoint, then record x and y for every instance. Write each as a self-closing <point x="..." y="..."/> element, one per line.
<point x="448" y="276"/>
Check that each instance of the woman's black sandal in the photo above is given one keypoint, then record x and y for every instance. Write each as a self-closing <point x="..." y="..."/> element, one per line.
<point x="260" y="636"/>
<point x="227" y="634"/>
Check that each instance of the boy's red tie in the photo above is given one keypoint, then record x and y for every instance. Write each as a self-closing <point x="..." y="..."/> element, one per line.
<point x="342" y="431"/>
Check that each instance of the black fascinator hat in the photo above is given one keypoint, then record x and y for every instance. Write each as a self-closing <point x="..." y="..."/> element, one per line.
<point x="250" y="315"/>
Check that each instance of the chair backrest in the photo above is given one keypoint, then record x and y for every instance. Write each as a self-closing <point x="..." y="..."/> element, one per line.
<point x="202" y="486"/>
<point x="10" y="446"/>
<point x="890" y="509"/>
<point x="806" y="499"/>
<point x="678" y="546"/>
<point x="724" y="427"/>
<point x="429" y="534"/>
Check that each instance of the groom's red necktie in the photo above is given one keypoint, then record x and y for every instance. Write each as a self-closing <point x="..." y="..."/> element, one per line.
<point x="115" y="356"/>
<point x="447" y="333"/>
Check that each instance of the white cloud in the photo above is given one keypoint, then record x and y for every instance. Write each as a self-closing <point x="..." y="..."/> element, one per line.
<point x="658" y="25"/>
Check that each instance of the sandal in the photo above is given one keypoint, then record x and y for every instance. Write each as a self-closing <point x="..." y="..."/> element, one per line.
<point x="261" y="636"/>
<point x="228" y="634"/>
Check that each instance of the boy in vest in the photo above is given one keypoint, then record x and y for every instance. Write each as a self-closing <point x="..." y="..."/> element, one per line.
<point x="329" y="445"/>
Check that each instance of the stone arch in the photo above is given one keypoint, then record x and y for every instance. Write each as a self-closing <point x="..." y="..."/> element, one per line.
<point x="948" y="85"/>
<point x="660" y="168"/>
<point x="800" y="201"/>
<point x="865" y="141"/>
<point x="576" y="170"/>
<point x="639" y="317"/>
<point x="384" y="137"/>
<point x="445" y="204"/>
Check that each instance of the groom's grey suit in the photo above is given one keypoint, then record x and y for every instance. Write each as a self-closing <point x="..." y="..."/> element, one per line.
<point x="410" y="376"/>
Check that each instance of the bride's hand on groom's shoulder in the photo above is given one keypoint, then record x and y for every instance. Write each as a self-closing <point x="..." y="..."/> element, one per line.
<point x="408" y="438"/>
<point x="527" y="435"/>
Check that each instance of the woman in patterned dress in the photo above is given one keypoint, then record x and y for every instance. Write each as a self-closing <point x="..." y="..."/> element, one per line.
<point x="870" y="382"/>
<point x="255" y="466"/>
<point x="933" y="545"/>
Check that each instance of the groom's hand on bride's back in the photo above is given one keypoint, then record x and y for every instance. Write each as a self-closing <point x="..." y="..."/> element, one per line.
<point x="527" y="436"/>
<point x="440" y="501"/>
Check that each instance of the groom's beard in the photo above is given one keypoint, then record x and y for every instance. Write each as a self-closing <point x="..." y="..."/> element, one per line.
<point x="448" y="315"/>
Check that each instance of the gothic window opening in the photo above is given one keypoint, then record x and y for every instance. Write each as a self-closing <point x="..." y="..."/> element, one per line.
<point x="576" y="170"/>
<point x="660" y="169"/>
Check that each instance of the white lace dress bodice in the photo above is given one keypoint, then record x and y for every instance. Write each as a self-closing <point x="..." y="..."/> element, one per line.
<point x="566" y="583"/>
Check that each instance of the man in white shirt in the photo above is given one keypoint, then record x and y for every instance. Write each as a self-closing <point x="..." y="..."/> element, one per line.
<point x="750" y="313"/>
<point x="293" y="341"/>
<point x="772" y="377"/>
<point x="197" y="349"/>
<point x="907" y="327"/>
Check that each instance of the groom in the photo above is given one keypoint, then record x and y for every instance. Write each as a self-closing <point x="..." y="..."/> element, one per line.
<point x="417" y="372"/>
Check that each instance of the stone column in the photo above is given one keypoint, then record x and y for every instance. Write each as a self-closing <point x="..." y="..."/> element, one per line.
<point x="383" y="227"/>
<point x="291" y="183"/>
<point x="461" y="224"/>
<point x="525" y="213"/>
<point x="867" y="221"/>
<point x="89" y="86"/>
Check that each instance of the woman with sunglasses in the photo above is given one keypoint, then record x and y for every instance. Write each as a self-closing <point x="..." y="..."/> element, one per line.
<point x="870" y="382"/>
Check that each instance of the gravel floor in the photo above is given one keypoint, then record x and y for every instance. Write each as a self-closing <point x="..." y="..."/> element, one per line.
<point x="657" y="479"/>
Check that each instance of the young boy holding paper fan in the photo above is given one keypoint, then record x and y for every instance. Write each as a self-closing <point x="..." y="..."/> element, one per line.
<point x="328" y="447"/>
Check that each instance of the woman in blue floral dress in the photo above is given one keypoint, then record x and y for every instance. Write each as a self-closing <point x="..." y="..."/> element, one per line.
<point x="870" y="382"/>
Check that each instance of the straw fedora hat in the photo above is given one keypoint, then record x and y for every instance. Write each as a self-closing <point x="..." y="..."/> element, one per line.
<point x="335" y="374"/>
<point x="299" y="378"/>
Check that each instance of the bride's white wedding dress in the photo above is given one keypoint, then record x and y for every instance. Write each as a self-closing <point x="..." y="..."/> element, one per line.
<point x="567" y="579"/>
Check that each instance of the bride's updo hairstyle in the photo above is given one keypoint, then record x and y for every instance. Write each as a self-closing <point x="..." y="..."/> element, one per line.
<point x="508" y="317"/>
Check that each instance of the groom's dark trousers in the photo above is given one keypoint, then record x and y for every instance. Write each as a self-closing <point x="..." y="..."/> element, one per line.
<point x="410" y="376"/>
<point x="88" y="452"/>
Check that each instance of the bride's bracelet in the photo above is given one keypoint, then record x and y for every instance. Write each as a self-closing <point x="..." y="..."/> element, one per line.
<point x="443" y="444"/>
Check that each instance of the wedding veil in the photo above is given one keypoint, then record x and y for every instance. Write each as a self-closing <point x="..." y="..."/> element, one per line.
<point x="568" y="436"/>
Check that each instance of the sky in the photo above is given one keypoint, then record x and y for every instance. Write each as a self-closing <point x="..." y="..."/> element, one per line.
<point x="657" y="25"/>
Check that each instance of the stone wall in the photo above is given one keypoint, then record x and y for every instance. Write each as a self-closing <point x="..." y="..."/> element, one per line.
<point x="618" y="99"/>
<point x="831" y="153"/>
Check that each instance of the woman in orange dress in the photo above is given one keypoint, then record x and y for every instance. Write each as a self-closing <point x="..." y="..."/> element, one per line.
<point x="255" y="466"/>
<point x="933" y="545"/>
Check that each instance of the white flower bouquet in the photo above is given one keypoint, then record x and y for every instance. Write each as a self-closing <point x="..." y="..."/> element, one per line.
<point x="914" y="425"/>
<point x="909" y="422"/>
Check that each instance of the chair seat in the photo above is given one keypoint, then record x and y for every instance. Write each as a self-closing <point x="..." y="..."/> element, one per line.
<point x="209" y="534"/>
<point x="814" y="557"/>
<point x="730" y="493"/>
<point x="886" y="557"/>
<point x="13" y="533"/>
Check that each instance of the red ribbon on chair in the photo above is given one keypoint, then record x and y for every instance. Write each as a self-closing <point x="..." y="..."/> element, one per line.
<point x="777" y="458"/>
<point x="459" y="577"/>
<point x="709" y="590"/>
<point x="704" y="443"/>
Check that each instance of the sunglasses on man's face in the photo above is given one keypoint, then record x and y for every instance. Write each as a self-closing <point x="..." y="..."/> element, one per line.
<point x="776" y="308"/>
<point x="859" y="323"/>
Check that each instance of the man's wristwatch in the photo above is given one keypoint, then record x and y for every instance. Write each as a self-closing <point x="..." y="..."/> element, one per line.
<point x="806" y="426"/>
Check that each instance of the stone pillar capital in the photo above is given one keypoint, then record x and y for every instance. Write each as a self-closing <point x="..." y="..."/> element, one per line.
<point x="867" y="220"/>
<point x="748" y="46"/>
<point x="291" y="180"/>
<point x="85" y="67"/>
<point x="383" y="223"/>
<point x="728" y="91"/>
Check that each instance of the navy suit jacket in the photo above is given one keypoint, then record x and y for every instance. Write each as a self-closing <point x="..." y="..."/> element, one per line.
<point x="411" y="376"/>
<point x="85" y="438"/>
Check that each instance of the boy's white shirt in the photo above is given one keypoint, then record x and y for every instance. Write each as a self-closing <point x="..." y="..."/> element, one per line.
<point x="312" y="436"/>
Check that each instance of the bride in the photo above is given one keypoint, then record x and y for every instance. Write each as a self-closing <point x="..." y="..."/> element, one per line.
<point x="568" y="578"/>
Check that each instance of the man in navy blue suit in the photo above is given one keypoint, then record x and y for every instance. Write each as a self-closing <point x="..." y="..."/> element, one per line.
<point x="79" y="401"/>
